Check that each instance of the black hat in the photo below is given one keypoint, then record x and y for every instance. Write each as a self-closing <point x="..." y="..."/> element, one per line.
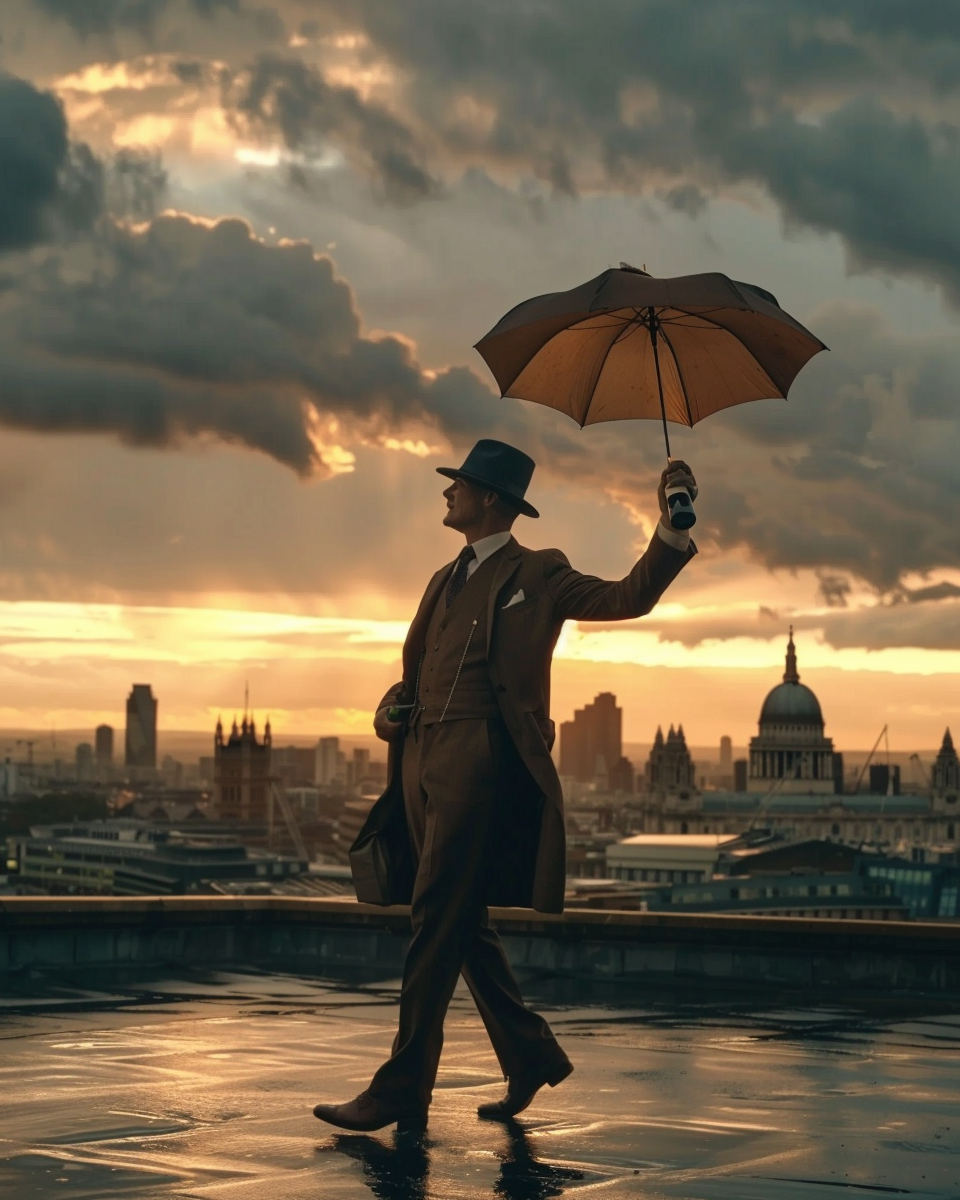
<point x="501" y="468"/>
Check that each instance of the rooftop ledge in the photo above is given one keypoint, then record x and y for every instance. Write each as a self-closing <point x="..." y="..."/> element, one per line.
<point x="40" y="936"/>
<point x="20" y="912"/>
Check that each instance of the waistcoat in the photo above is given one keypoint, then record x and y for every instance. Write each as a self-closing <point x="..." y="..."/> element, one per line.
<point x="452" y="631"/>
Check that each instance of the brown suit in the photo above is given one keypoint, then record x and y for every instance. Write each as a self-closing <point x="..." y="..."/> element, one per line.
<point x="482" y="797"/>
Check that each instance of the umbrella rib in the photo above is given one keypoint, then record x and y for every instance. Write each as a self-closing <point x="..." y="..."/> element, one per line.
<point x="596" y="377"/>
<point x="737" y="337"/>
<point x="683" y="382"/>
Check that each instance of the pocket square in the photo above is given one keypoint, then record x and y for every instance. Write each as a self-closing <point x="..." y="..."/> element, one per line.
<point x="515" y="599"/>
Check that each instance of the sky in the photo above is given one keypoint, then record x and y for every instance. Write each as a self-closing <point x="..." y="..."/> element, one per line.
<point x="246" y="249"/>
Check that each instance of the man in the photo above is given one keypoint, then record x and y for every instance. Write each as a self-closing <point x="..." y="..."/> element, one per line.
<point x="480" y="792"/>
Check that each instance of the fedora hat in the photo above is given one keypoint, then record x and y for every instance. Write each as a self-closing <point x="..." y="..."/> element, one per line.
<point x="501" y="468"/>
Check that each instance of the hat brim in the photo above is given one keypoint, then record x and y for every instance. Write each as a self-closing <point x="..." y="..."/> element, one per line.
<point x="523" y="506"/>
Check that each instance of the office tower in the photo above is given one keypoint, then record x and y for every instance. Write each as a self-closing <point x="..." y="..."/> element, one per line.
<point x="326" y="761"/>
<point x="242" y="773"/>
<point x="84" y="761"/>
<point x="103" y="745"/>
<point x="591" y="745"/>
<point x="141" y="740"/>
<point x="726" y="755"/>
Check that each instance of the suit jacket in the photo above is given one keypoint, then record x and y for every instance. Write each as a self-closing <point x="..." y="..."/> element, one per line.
<point x="520" y="639"/>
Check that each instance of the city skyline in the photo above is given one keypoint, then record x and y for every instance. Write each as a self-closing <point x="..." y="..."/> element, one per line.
<point x="236" y="347"/>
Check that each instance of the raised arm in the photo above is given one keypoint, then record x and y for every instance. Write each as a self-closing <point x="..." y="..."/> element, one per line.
<point x="581" y="597"/>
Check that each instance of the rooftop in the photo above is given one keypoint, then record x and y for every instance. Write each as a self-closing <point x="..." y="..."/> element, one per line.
<point x="199" y="1087"/>
<point x="708" y="841"/>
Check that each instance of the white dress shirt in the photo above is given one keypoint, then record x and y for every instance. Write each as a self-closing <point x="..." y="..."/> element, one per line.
<point x="678" y="539"/>
<point x="485" y="547"/>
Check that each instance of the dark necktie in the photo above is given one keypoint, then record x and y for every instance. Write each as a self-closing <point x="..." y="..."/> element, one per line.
<point x="459" y="576"/>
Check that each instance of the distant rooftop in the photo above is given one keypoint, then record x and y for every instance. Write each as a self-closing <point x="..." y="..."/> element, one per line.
<point x="708" y="841"/>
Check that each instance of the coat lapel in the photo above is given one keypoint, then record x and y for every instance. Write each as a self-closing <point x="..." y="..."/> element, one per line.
<point x="508" y="564"/>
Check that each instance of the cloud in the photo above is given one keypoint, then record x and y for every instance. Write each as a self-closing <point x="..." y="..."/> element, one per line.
<point x="47" y="184"/>
<point x="90" y="18"/>
<point x="308" y="112"/>
<point x="843" y="115"/>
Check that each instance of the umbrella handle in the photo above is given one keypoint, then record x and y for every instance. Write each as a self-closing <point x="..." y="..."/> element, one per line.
<point x="680" y="507"/>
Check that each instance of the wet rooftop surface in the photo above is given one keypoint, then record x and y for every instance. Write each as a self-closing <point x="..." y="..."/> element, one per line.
<point x="203" y="1088"/>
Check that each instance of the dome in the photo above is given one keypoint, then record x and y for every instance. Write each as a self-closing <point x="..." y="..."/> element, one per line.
<point x="793" y="703"/>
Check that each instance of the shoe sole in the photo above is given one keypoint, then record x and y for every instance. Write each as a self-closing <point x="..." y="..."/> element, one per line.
<point x="499" y="1112"/>
<point x="415" y="1124"/>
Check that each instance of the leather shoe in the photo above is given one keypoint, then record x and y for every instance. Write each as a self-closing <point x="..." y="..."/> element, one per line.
<point x="366" y="1113"/>
<point x="521" y="1090"/>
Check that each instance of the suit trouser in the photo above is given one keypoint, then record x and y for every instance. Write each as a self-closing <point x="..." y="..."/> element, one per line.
<point x="457" y="782"/>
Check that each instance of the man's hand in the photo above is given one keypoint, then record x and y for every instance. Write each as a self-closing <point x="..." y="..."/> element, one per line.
<point x="385" y="729"/>
<point x="676" y="474"/>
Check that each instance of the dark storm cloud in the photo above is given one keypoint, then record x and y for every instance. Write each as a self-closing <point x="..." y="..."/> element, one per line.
<point x="842" y="112"/>
<point x="45" y="183"/>
<point x="931" y="621"/>
<point x="184" y="328"/>
<point x="136" y="183"/>
<point x="89" y="18"/>
<point x="53" y="188"/>
<point x="856" y="473"/>
<point x="309" y="113"/>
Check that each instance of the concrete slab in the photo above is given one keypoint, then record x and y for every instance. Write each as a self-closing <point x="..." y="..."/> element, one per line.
<point x="200" y="1088"/>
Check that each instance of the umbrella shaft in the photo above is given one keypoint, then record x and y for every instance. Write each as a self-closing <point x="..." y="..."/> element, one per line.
<point x="652" y="322"/>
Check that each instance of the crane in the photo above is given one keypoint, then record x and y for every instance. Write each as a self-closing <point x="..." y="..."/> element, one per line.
<point x="279" y="796"/>
<point x="29" y="746"/>
<point x="924" y="773"/>
<point x="863" y="769"/>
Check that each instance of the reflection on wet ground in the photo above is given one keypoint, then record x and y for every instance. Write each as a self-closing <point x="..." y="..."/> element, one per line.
<point x="202" y="1088"/>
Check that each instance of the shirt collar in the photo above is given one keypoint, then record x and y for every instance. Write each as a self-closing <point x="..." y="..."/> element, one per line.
<point x="490" y="545"/>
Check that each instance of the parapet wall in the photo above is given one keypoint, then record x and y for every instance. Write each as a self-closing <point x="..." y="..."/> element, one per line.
<point x="63" y="935"/>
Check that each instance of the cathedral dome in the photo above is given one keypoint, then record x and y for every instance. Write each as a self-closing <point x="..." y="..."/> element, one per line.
<point x="791" y="702"/>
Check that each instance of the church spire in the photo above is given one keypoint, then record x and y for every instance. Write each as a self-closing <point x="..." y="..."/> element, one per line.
<point x="791" y="675"/>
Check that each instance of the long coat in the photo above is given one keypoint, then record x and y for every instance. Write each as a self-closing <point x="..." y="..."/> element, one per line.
<point x="520" y="640"/>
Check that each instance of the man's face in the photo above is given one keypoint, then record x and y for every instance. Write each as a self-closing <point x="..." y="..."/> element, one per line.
<point x="465" y="505"/>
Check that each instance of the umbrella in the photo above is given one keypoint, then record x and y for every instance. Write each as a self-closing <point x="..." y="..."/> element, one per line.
<point x="626" y="345"/>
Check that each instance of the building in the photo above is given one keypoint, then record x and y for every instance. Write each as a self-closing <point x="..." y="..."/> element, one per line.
<point x="326" y="767"/>
<point x="946" y="774"/>
<point x="132" y="858"/>
<point x="103" y="746"/>
<point x="658" y="858"/>
<point x="293" y="765"/>
<point x="790" y="752"/>
<point x="141" y="737"/>
<point x="884" y="779"/>
<point x="670" y="771"/>
<point x="9" y="781"/>
<point x="621" y="778"/>
<point x="792" y="786"/>
<point x="83" y="759"/>
<point x="242" y="773"/>
<point x="591" y="745"/>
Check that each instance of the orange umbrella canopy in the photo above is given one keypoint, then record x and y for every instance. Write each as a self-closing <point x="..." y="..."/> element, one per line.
<point x="611" y="348"/>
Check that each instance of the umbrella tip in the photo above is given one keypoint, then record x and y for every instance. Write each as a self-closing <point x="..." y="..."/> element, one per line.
<point x="625" y="266"/>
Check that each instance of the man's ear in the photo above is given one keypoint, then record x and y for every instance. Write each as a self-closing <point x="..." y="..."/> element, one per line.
<point x="490" y="499"/>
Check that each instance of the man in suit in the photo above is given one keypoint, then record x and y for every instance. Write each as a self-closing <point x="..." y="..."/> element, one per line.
<point x="480" y="793"/>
